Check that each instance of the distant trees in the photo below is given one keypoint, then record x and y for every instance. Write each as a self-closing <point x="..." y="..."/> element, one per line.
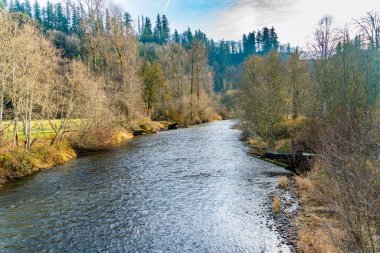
<point x="261" y="42"/>
<point x="152" y="73"/>
<point x="65" y="24"/>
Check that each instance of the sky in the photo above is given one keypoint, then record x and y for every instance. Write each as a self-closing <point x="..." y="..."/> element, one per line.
<point x="294" y="20"/>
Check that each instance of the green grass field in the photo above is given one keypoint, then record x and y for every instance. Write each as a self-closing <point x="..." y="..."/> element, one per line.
<point x="41" y="128"/>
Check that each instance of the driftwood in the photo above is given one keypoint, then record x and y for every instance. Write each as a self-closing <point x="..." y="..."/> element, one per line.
<point x="297" y="162"/>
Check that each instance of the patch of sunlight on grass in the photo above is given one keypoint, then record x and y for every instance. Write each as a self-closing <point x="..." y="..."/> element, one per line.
<point x="42" y="128"/>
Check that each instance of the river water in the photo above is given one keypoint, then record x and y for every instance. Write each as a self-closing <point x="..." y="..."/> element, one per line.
<point x="189" y="190"/>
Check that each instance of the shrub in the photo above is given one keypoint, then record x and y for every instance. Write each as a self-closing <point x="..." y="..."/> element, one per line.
<point x="304" y="184"/>
<point x="276" y="204"/>
<point x="97" y="137"/>
<point x="283" y="182"/>
<point x="148" y="125"/>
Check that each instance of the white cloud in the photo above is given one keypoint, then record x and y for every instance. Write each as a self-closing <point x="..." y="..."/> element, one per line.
<point x="294" y="20"/>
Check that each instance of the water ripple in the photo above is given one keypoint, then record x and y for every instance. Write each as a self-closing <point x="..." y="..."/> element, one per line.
<point x="190" y="190"/>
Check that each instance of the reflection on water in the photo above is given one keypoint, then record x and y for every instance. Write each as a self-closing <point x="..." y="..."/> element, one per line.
<point x="190" y="190"/>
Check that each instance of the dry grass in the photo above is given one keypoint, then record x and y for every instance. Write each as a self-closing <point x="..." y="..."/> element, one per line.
<point x="283" y="182"/>
<point x="148" y="125"/>
<point x="19" y="162"/>
<point x="276" y="204"/>
<point x="315" y="241"/>
<point x="256" y="142"/>
<point x="121" y="136"/>
<point x="312" y="219"/>
<point x="304" y="185"/>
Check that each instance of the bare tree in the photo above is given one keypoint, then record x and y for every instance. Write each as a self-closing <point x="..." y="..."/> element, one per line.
<point x="370" y="29"/>
<point x="298" y="79"/>
<point x="8" y="63"/>
<point x="326" y="38"/>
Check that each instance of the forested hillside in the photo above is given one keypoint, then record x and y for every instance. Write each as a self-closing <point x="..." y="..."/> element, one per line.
<point x="84" y="72"/>
<point x="82" y="75"/>
<point x="63" y="21"/>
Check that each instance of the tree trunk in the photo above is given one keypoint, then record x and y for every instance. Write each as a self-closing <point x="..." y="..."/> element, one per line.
<point x="1" y="114"/>
<point x="191" y="89"/>
<point x="15" y="132"/>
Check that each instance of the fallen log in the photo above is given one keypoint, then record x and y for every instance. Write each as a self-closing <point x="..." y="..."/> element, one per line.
<point x="297" y="163"/>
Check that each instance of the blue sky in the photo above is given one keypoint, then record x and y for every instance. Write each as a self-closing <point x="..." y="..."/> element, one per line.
<point x="229" y="19"/>
<point x="181" y="13"/>
<point x="294" y="20"/>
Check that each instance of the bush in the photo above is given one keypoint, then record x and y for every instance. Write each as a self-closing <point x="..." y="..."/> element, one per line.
<point x="97" y="137"/>
<point x="19" y="162"/>
<point x="304" y="184"/>
<point x="283" y="182"/>
<point x="276" y="204"/>
<point x="349" y="183"/>
<point x="148" y="125"/>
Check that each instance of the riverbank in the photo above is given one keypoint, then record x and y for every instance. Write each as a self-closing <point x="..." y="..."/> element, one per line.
<point x="283" y="208"/>
<point x="301" y="216"/>
<point x="294" y="205"/>
<point x="18" y="162"/>
<point x="194" y="189"/>
<point x="298" y="211"/>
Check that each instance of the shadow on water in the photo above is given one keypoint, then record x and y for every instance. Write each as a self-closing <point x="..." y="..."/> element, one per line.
<point x="189" y="190"/>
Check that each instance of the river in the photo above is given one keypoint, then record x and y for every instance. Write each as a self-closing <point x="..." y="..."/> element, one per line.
<point x="189" y="190"/>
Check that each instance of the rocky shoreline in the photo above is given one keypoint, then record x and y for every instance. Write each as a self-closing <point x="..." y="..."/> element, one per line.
<point x="285" y="220"/>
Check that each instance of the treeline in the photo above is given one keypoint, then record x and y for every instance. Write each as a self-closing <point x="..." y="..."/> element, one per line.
<point x="326" y="101"/>
<point x="225" y="57"/>
<point x="96" y="74"/>
<point x="63" y="22"/>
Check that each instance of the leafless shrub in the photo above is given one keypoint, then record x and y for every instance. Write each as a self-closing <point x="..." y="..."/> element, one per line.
<point x="350" y="183"/>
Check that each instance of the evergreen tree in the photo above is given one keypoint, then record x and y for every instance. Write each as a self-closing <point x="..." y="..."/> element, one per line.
<point x="49" y="16"/>
<point x="176" y="37"/>
<point x="11" y="6"/>
<point x="43" y="15"/>
<point x="187" y="37"/>
<point x="75" y="20"/>
<point x="266" y="40"/>
<point x="61" y="22"/>
<point x="251" y="43"/>
<point x="165" y="29"/>
<point x="274" y="39"/>
<point x="158" y="30"/>
<point x="27" y="8"/>
<point x="245" y="43"/>
<point x="127" y="20"/>
<point x="201" y="36"/>
<point x="239" y="47"/>
<point x="68" y="16"/>
<point x="147" y="34"/>
<point x="259" y="39"/>
<point x="18" y="7"/>
<point x="37" y="12"/>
